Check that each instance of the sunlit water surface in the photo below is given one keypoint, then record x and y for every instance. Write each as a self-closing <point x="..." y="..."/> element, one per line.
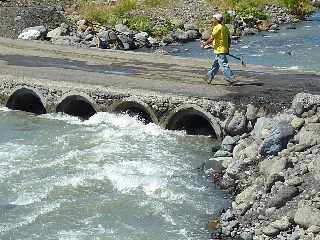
<point x="110" y="177"/>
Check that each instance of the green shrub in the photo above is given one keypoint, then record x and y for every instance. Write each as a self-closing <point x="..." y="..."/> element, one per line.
<point x="164" y="30"/>
<point x="139" y="24"/>
<point x="299" y="8"/>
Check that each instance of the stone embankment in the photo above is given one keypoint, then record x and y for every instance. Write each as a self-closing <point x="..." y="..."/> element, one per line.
<point x="272" y="166"/>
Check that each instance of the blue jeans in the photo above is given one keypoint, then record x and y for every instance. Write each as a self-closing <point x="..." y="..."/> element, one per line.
<point x="221" y="60"/>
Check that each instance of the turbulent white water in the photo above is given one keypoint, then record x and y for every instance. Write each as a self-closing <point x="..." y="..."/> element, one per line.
<point x="110" y="177"/>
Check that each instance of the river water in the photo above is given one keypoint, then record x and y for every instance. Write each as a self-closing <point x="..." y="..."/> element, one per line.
<point x="296" y="49"/>
<point x="110" y="177"/>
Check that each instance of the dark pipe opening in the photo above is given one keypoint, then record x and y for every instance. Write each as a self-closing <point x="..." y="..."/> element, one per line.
<point x="135" y="110"/>
<point x="192" y="123"/>
<point x="76" y="106"/>
<point x="26" y="100"/>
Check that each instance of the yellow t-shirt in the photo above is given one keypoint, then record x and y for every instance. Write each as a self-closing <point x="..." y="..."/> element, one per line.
<point x="221" y="35"/>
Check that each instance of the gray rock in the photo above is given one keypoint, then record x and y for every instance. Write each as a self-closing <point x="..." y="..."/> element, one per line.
<point x="309" y="134"/>
<point x="33" y="33"/>
<point x="246" y="236"/>
<point x="297" y="122"/>
<point x="59" y="31"/>
<point x="303" y="102"/>
<point x="108" y="36"/>
<point x="278" y="138"/>
<point x="222" y="153"/>
<point x="270" y="231"/>
<point x="66" y="40"/>
<point x="180" y="36"/>
<point x="273" y="166"/>
<point x="244" y="200"/>
<point x="282" y="224"/>
<point x="252" y="112"/>
<point x="227" y="216"/>
<point x="263" y="127"/>
<point x="228" y="140"/>
<point x="307" y="216"/>
<point x="189" y="26"/>
<point x="121" y="28"/>
<point x="237" y="124"/>
<point x="246" y="150"/>
<point x="314" y="168"/>
<point x="192" y="35"/>
<point x="127" y="42"/>
<point x="285" y="194"/>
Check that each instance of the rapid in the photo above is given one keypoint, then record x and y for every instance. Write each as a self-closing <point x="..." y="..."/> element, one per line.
<point x="110" y="177"/>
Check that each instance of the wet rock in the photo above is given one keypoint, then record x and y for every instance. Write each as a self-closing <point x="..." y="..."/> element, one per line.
<point x="33" y="33"/>
<point x="307" y="216"/>
<point x="285" y="194"/>
<point x="227" y="216"/>
<point x="236" y="125"/>
<point x="141" y="39"/>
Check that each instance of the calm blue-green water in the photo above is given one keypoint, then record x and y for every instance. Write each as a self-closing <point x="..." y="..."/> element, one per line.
<point x="110" y="177"/>
<point x="297" y="49"/>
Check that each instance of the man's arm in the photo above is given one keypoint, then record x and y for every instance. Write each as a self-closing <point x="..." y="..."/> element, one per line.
<point x="206" y="43"/>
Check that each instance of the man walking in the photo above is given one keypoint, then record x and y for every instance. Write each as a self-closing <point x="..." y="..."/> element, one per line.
<point x="220" y="38"/>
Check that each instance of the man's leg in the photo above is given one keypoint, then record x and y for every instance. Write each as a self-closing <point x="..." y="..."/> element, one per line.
<point x="214" y="69"/>
<point x="228" y="74"/>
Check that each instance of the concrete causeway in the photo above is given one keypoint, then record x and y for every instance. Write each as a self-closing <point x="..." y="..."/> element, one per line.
<point x="160" y="84"/>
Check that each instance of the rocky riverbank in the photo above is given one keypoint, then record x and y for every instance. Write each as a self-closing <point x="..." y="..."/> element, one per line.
<point x="188" y="21"/>
<point x="271" y="165"/>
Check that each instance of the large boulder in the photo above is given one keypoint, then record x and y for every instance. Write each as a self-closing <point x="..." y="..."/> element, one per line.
<point x="33" y="33"/>
<point x="275" y="134"/>
<point x="237" y="124"/>
<point x="307" y="216"/>
<point x="303" y="102"/>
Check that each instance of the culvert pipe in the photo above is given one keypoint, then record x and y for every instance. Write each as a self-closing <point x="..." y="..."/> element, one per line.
<point x="193" y="120"/>
<point x="78" y="106"/>
<point x="137" y="109"/>
<point x="27" y="100"/>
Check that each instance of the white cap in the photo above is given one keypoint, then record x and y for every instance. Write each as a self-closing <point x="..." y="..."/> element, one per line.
<point x="218" y="16"/>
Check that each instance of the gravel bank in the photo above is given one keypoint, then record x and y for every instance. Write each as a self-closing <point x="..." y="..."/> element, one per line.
<point x="271" y="165"/>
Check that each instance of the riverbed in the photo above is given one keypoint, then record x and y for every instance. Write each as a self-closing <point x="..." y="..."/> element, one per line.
<point x="110" y="177"/>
